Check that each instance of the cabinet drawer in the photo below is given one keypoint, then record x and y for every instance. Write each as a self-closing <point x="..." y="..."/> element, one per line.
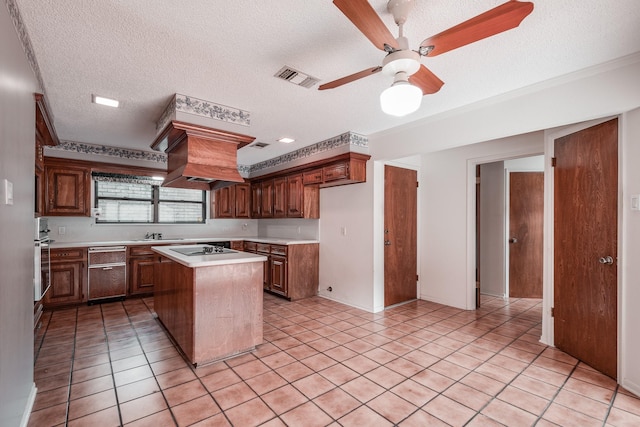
<point x="140" y="250"/>
<point x="312" y="177"/>
<point x="107" y="257"/>
<point x="250" y="246"/>
<point x="336" y="171"/>
<point x="62" y="255"/>
<point x="263" y="247"/>
<point x="279" y="250"/>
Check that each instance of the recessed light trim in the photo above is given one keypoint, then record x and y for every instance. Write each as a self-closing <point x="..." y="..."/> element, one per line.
<point x="97" y="99"/>
<point x="286" y="140"/>
<point x="157" y="178"/>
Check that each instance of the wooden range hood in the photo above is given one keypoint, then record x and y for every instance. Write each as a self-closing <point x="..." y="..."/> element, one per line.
<point x="199" y="157"/>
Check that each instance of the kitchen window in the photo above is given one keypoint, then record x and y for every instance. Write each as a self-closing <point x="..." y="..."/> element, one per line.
<point x="132" y="199"/>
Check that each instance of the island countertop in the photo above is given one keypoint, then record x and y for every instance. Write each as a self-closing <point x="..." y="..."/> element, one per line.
<point x="193" y="261"/>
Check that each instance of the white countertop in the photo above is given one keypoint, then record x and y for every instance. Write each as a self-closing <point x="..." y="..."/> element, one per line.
<point x="233" y="257"/>
<point x="270" y="240"/>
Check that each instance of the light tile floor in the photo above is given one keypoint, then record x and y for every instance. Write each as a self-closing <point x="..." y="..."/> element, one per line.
<point x="322" y="363"/>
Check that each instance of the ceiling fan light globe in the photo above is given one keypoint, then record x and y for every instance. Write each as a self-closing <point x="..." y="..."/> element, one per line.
<point x="400" y="99"/>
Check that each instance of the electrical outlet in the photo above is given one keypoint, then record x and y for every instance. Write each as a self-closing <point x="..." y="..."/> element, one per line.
<point x="62" y="230"/>
<point x="343" y="231"/>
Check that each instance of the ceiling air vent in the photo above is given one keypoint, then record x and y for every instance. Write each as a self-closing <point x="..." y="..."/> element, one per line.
<point x="296" y="77"/>
<point x="259" y="145"/>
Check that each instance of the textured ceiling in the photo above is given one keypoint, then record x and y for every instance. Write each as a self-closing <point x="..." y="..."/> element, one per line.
<point x="142" y="52"/>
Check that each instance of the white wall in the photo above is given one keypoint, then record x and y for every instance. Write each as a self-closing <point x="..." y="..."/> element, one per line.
<point x="448" y="236"/>
<point x="346" y="249"/>
<point x="17" y="142"/>
<point x="628" y="265"/>
<point x="492" y="229"/>
<point x="289" y="228"/>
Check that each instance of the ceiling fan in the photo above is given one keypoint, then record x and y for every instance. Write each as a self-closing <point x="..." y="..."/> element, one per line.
<point x="412" y="80"/>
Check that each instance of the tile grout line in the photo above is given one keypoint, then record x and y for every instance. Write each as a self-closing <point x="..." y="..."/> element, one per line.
<point x="610" y="406"/>
<point x="113" y="376"/>
<point x="144" y="352"/>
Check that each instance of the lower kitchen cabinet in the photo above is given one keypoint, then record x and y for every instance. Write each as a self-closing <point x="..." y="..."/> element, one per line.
<point x="291" y="271"/>
<point x="142" y="270"/>
<point x="278" y="268"/>
<point x="68" y="277"/>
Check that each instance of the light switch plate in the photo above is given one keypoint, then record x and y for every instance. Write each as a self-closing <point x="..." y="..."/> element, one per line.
<point x="635" y="203"/>
<point x="8" y="192"/>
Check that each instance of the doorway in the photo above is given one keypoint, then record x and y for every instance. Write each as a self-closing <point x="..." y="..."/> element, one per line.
<point x="496" y="225"/>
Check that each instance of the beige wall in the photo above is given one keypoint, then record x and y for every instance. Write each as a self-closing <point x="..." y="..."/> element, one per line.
<point x="17" y="118"/>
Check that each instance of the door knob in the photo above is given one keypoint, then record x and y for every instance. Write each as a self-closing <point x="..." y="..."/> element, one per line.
<point x="387" y="242"/>
<point x="513" y="240"/>
<point x="606" y="260"/>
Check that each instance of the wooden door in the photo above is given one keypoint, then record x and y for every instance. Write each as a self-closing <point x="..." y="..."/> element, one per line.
<point x="400" y="235"/>
<point x="526" y="231"/>
<point x="585" y="230"/>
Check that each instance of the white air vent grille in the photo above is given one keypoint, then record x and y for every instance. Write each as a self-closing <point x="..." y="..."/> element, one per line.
<point x="296" y="77"/>
<point x="259" y="145"/>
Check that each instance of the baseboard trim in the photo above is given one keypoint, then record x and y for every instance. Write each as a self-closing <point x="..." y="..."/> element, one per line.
<point x="29" y="407"/>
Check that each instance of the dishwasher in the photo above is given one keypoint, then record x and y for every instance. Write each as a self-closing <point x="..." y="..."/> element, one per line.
<point x="107" y="273"/>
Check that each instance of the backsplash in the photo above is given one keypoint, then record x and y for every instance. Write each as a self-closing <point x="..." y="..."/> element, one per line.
<point x="83" y="229"/>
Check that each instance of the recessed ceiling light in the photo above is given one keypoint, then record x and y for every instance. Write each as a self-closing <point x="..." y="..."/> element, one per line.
<point x="157" y="178"/>
<point x="105" y="101"/>
<point x="286" y="140"/>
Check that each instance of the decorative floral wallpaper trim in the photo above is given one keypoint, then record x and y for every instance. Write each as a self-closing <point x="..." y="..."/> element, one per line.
<point x="200" y="107"/>
<point x="25" y="40"/>
<point x="103" y="150"/>
<point x="348" y="138"/>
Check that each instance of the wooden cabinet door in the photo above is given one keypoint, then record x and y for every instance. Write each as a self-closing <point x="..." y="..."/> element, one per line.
<point x="278" y="267"/>
<point x="142" y="275"/>
<point x="295" y="196"/>
<point x="225" y="204"/>
<point x="242" y="200"/>
<point x="67" y="191"/>
<point x="266" y="201"/>
<point x="256" y="200"/>
<point x="66" y="284"/>
<point x="280" y="197"/>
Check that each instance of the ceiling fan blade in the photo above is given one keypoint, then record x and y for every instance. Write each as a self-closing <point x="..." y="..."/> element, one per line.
<point x="426" y="80"/>
<point x="492" y="22"/>
<point x="350" y="78"/>
<point x="368" y="22"/>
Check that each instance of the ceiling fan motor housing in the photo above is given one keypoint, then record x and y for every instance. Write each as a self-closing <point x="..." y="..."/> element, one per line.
<point x="406" y="61"/>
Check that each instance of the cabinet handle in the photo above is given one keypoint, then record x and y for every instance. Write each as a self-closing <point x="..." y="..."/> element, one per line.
<point x="107" y="268"/>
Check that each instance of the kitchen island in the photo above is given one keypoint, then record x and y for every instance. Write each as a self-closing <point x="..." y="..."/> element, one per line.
<point x="210" y="303"/>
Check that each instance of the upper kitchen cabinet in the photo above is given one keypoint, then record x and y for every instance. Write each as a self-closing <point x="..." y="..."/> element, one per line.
<point x="45" y="136"/>
<point x="347" y="169"/>
<point x="233" y="201"/>
<point x="67" y="189"/>
<point x="303" y="201"/>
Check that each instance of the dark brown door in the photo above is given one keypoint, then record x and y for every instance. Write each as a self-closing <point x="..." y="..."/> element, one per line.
<point x="526" y="214"/>
<point x="585" y="246"/>
<point x="400" y="229"/>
